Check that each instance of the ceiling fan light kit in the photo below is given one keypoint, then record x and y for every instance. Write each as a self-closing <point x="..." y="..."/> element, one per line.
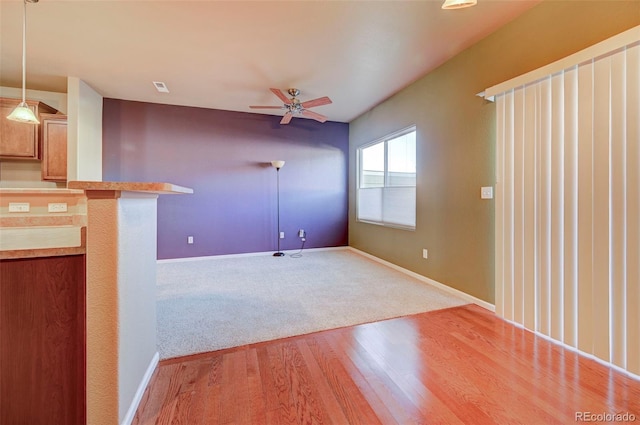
<point x="293" y="106"/>
<point x="458" y="4"/>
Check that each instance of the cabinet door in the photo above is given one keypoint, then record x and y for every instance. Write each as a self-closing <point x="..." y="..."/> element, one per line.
<point x="17" y="140"/>
<point x="42" y="329"/>
<point x="54" y="147"/>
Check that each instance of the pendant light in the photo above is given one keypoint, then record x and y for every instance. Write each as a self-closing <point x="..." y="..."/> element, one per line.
<point x="22" y="112"/>
<point x="458" y="4"/>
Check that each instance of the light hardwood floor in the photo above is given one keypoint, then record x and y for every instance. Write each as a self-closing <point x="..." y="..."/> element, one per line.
<point x="453" y="366"/>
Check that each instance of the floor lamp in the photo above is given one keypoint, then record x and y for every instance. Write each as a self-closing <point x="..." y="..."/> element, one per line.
<point x="278" y="165"/>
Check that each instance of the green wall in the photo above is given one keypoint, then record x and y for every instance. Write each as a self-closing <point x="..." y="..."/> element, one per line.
<point x="456" y="140"/>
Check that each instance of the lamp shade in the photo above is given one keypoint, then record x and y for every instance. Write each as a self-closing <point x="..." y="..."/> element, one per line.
<point x="22" y="113"/>
<point x="278" y="164"/>
<point x="458" y="4"/>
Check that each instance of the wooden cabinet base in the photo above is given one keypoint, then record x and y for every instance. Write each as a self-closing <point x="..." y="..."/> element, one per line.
<point x="42" y="341"/>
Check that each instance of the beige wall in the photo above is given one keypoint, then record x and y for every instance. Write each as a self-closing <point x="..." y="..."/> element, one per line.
<point x="121" y="303"/>
<point x="456" y="140"/>
<point x="84" y="132"/>
<point x="137" y="240"/>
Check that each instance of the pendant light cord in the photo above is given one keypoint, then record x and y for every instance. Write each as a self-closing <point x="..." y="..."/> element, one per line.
<point x="24" y="52"/>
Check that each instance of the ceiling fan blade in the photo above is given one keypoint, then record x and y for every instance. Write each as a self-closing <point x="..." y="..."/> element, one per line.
<point x="266" y="107"/>
<point x="314" y="115"/>
<point x="287" y="118"/>
<point x="316" y="102"/>
<point x="281" y="95"/>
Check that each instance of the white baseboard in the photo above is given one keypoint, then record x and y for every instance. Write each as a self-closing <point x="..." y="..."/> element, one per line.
<point x="248" y="254"/>
<point x="432" y="282"/>
<point x="131" y="413"/>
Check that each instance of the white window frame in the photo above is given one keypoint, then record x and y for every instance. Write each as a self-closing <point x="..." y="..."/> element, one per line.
<point x="385" y="140"/>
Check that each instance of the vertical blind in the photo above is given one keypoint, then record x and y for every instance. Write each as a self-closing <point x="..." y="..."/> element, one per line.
<point x="568" y="206"/>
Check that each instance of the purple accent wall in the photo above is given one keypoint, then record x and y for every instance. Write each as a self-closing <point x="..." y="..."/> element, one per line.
<point x="225" y="157"/>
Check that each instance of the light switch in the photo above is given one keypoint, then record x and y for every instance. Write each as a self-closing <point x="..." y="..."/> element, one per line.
<point x="486" y="192"/>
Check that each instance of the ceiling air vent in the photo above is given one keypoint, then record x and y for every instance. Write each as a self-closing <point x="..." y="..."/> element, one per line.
<point x="161" y="87"/>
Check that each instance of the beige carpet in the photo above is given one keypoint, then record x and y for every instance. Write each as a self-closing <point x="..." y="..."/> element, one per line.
<point x="209" y="304"/>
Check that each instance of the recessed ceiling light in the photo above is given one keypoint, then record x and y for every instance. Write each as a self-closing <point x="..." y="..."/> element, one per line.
<point x="161" y="87"/>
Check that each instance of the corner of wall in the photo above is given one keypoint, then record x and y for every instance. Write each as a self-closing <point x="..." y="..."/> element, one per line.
<point x="84" y="137"/>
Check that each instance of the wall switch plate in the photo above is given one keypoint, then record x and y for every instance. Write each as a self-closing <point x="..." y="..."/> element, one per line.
<point x="18" y="207"/>
<point x="281" y="235"/>
<point x="425" y="254"/>
<point x="57" y="207"/>
<point x="190" y="240"/>
<point x="486" y="192"/>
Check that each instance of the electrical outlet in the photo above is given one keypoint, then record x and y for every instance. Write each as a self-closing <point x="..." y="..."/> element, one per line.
<point x="281" y="235"/>
<point x="425" y="254"/>
<point x="57" y="207"/>
<point x="486" y="192"/>
<point x="18" y="207"/>
<point x="301" y="233"/>
<point x="190" y="240"/>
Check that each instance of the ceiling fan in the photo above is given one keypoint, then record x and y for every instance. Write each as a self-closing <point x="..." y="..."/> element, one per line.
<point x="294" y="106"/>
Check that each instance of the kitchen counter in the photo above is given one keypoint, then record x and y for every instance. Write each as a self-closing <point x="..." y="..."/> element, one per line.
<point x="43" y="232"/>
<point x="103" y="300"/>
<point x="121" y="263"/>
<point x="149" y="187"/>
<point x="51" y="222"/>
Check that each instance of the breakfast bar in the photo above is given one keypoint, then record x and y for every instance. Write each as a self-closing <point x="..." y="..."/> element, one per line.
<point x="92" y="268"/>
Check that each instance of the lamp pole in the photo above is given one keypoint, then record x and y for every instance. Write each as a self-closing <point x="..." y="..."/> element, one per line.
<point x="278" y="165"/>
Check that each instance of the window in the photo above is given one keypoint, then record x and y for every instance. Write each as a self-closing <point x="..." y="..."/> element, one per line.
<point x="387" y="181"/>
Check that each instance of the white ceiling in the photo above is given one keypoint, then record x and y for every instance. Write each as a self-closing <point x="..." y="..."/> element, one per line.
<point x="227" y="54"/>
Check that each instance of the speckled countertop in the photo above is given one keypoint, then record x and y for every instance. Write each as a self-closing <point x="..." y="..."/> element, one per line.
<point x="151" y="187"/>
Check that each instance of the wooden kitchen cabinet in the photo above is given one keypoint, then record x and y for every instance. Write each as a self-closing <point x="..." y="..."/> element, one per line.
<point x="20" y="140"/>
<point x="53" y="134"/>
<point x="42" y="335"/>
